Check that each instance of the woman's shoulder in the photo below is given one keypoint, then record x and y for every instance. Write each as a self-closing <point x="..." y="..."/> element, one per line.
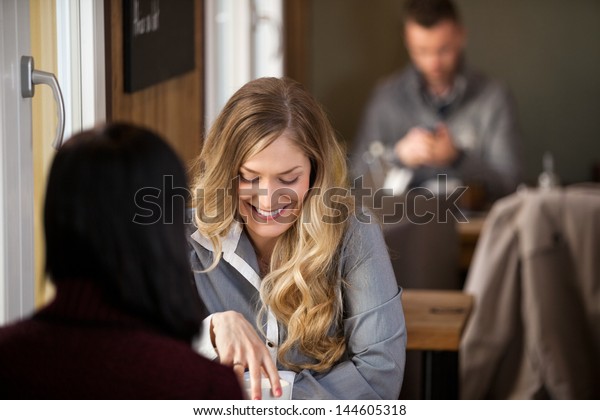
<point x="363" y="236"/>
<point x="364" y="258"/>
<point x="362" y="224"/>
<point x="199" y="245"/>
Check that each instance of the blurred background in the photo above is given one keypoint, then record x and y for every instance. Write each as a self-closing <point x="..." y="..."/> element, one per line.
<point x="546" y="51"/>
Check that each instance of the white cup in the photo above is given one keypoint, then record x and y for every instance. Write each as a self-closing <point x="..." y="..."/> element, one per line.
<point x="265" y="385"/>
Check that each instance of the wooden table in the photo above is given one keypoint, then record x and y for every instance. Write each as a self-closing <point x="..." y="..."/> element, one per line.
<point x="435" y="320"/>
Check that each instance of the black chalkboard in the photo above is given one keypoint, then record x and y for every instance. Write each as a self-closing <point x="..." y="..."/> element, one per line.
<point x="158" y="37"/>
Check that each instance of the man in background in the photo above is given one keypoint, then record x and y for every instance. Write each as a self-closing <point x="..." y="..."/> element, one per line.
<point x="437" y="116"/>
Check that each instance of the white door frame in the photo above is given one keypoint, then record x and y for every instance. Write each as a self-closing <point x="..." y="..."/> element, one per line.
<point x="16" y="167"/>
<point x="87" y="106"/>
<point x="81" y="62"/>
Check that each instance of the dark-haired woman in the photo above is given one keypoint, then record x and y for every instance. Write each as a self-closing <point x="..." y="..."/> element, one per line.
<point x="126" y="309"/>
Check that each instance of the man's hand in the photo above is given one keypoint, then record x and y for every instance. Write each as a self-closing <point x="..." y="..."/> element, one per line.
<point x="414" y="149"/>
<point x="423" y="147"/>
<point x="443" y="152"/>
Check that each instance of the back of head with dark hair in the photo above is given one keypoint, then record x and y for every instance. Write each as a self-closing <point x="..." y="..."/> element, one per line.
<point x="115" y="215"/>
<point x="429" y="13"/>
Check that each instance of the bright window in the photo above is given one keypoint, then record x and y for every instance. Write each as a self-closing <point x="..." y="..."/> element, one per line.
<point x="244" y="41"/>
<point x="81" y="73"/>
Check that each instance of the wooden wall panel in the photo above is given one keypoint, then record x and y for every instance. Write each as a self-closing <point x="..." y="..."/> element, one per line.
<point x="296" y="30"/>
<point x="173" y="108"/>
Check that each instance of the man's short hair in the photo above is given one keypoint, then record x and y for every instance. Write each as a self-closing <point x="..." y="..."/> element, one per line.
<point x="429" y="13"/>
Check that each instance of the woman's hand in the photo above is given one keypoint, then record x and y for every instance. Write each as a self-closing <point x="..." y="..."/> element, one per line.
<point x="239" y="346"/>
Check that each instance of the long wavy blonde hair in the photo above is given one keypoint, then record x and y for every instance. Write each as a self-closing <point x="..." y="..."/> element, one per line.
<point x="303" y="285"/>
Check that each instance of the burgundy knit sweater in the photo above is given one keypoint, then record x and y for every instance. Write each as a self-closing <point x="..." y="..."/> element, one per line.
<point x="80" y="347"/>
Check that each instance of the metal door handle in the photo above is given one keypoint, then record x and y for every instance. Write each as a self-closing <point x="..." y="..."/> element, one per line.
<point x="31" y="77"/>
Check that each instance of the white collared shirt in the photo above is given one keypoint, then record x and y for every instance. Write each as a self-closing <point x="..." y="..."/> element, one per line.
<point x="230" y="244"/>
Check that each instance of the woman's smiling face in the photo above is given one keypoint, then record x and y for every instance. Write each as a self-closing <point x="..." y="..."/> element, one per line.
<point x="272" y="187"/>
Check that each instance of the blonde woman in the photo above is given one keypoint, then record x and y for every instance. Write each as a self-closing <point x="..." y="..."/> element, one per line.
<point x="293" y="281"/>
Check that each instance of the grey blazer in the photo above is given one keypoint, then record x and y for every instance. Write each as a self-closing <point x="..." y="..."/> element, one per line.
<point x="373" y="322"/>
